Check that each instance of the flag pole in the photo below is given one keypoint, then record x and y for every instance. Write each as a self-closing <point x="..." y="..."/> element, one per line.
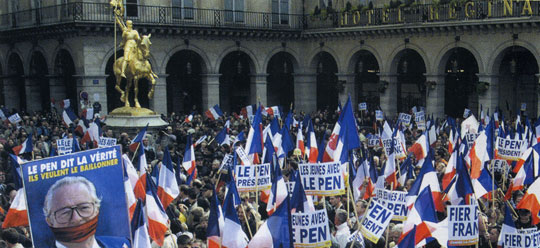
<point x="492" y="185"/>
<point x="355" y="213"/>
<point x="483" y="221"/>
<point x="247" y="221"/>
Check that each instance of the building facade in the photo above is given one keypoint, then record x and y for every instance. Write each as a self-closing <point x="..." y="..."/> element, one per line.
<point x="312" y="54"/>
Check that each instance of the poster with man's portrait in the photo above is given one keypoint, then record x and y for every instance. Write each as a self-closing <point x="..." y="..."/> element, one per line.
<point x="78" y="200"/>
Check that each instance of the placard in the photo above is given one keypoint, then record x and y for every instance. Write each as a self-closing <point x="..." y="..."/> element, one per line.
<point x="470" y="138"/>
<point x="395" y="201"/>
<point x="462" y="225"/>
<point x="62" y="187"/>
<point x="466" y="113"/>
<point x="322" y="179"/>
<point x="399" y="148"/>
<point x="374" y="140"/>
<point x="521" y="240"/>
<point x="523" y="106"/>
<point x="375" y="221"/>
<point x="106" y="142"/>
<point x="14" y="119"/>
<point x="227" y="162"/>
<point x="242" y="155"/>
<point x="251" y="178"/>
<point x="405" y="119"/>
<point x="510" y="149"/>
<point x="420" y="120"/>
<point x="64" y="146"/>
<point x="379" y="115"/>
<point x="362" y="106"/>
<point x="311" y="229"/>
<point x="500" y="165"/>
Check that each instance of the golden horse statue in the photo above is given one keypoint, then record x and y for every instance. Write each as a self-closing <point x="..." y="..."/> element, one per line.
<point x="137" y="68"/>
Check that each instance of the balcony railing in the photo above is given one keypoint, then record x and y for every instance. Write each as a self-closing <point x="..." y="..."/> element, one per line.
<point x="101" y="13"/>
<point x="150" y="15"/>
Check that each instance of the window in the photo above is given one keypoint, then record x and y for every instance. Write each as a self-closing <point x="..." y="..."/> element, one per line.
<point x="131" y="8"/>
<point x="280" y="11"/>
<point x="182" y="9"/>
<point x="14" y="5"/>
<point x="234" y="10"/>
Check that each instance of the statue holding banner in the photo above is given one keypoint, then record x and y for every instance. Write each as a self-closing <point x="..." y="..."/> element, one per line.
<point x="134" y="64"/>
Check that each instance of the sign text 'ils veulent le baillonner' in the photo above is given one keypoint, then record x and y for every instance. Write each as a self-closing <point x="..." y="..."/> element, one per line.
<point x="73" y="165"/>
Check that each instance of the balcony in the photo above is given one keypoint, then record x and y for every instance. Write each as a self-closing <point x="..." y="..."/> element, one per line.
<point x="101" y="13"/>
<point x="475" y="13"/>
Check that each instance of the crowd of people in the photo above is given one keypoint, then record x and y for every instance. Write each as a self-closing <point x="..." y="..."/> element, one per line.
<point x="189" y="212"/>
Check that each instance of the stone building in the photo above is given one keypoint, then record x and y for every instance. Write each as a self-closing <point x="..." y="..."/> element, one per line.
<point x="445" y="56"/>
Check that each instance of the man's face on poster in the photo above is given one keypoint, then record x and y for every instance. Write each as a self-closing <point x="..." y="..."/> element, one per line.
<point x="71" y="205"/>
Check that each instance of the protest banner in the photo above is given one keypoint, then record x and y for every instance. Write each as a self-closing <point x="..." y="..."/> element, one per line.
<point x="462" y="225"/>
<point x="14" y="119"/>
<point x="356" y="236"/>
<point x="510" y="149"/>
<point x="500" y="165"/>
<point x="393" y="200"/>
<point x="251" y="178"/>
<point x="376" y="220"/>
<point x="405" y="119"/>
<point x="470" y="138"/>
<point x="399" y="147"/>
<point x="420" y="120"/>
<point x="466" y="112"/>
<point x="523" y="106"/>
<point x="242" y="155"/>
<point x="362" y="106"/>
<point x="106" y="142"/>
<point x="65" y="146"/>
<point x="290" y="187"/>
<point x="322" y="179"/>
<point x="522" y="239"/>
<point x="374" y="140"/>
<point x="227" y="162"/>
<point x="311" y="229"/>
<point x="72" y="190"/>
<point x="379" y="115"/>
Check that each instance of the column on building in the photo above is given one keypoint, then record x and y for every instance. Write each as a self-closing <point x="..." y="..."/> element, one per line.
<point x="348" y="87"/>
<point x="490" y="98"/>
<point x="210" y="90"/>
<point x="305" y="92"/>
<point x="33" y="94"/>
<point x="10" y="91"/>
<point x="258" y="88"/>
<point x="158" y="103"/>
<point x="435" y="95"/>
<point x="57" y="89"/>
<point x="94" y="84"/>
<point x="388" y="94"/>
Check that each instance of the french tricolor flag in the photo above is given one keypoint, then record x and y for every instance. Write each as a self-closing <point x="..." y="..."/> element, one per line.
<point x="92" y="134"/>
<point x="216" y="223"/>
<point x="139" y="227"/>
<point x="300" y="141"/>
<point x="279" y="191"/>
<point x="157" y="218"/>
<point x="130" y="195"/>
<point x="311" y="147"/>
<point x="275" y="231"/>
<point x="17" y="213"/>
<point x="235" y="237"/>
<point x="68" y="117"/>
<point x="214" y="112"/>
<point x="254" y="140"/>
<point x="189" y="157"/>
<point x="189" y="118"/>
<point x="25" y="147"/>
<point x="420" y="148"/>
<point x="423" y="216"/>
<point x="481" y="151"/>
<point x="273" y="111"/>
<point x="537" y="130"/>
<point x="531" y="201"/>
<point x="299" y="201"/>
<point x="248" y="110"/>
<point x="427" y="178"/>
<point x="138" y="139"/>
<point x="167" y="185"/>
<point x="222" y="137"/>
<point x="141" y="184"/>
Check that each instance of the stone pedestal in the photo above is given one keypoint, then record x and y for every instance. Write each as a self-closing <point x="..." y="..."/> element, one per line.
<point x="131" y="120"/>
